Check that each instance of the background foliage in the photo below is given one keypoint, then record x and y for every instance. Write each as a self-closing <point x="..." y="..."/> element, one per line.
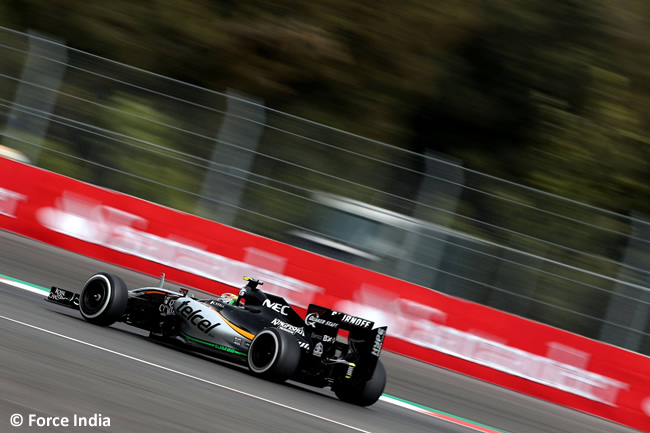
<point x="549" y="93"/>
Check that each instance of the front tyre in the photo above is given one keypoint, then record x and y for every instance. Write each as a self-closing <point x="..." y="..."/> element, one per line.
<point x="103" y="299"/>
<point x="366" y="394"/>
<point x="274" y="355"/>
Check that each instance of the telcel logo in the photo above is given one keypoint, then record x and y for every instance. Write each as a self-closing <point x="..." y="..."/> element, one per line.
<point x="276" y="306"/>
<point x="195" y="318"/>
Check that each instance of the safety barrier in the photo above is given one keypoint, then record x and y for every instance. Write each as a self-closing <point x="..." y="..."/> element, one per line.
<point x="469" y="338"/>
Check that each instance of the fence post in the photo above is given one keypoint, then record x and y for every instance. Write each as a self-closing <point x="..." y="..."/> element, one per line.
<point x="436" y="201"/>
<point x="232" y="158"/>
<point x="36" y="96"/>
<point x="631" y="312"/>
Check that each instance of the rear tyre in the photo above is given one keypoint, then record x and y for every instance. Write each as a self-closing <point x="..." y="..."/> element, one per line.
<point x="366" y="394"/>
<point x="103" y="299"/>
<point x="274" y="355"/>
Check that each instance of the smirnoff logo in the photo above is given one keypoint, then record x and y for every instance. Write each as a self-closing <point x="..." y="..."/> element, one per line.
<point x="356" y="321"/>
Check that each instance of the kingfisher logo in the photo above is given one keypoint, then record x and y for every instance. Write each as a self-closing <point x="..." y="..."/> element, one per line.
<point x="195" y="317"/>
<point x="284" y="326"/>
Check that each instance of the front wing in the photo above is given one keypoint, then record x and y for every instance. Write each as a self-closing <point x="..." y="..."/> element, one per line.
<point x="63" y="297"/>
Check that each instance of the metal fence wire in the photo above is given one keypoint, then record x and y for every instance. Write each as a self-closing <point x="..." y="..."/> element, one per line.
<point x="418" y="217"/>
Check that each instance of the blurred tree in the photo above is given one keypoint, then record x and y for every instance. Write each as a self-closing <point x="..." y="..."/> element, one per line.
<point x="548" y="93"/>
<point x="458" y="78"/>
<point x="599" y="156"/>
<point x="484" y="111"/>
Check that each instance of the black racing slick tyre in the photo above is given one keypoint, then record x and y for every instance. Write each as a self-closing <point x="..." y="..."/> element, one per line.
<point x="274" y="355"/>
<point x="366" y="394"/>
<point x="103" y="299"/>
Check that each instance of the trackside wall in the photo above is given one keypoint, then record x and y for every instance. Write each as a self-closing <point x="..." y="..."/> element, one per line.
<point x="472" y="339"/>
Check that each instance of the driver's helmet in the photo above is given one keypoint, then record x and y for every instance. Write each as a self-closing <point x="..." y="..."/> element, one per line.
<point x="228" y="298"/>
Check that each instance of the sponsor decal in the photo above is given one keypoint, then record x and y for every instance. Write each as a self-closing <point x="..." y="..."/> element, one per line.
<point x="195" y="318"/>
<point x="167" y="307"/>
<point x="303" y="345"/>
<point x="348" y="374"/>
<point x="379" y="341"/>
<point x="59" y="295"/>
<point x="324" y="338"/>
<point x="63" y="296"/>
<point x="318" y="349"/>
<point x="9" y="201"/>
<point x="276" y="306"/>
<point x="165" y="310"/>
<point x="284" y="326"/>
<point x="416" y="323"/>
<point x="216" y="346"/>
<point x="227" y="349"/>
<point x="215" y="303"/>
<point x="312" y="319"/>
<point x="356" y="321"/>
<point x="238" y="341"/>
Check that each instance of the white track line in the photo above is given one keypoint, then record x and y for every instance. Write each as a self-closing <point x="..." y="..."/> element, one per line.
<point x="384" y="398"/>
<point x="180" y="373"/>
<point x="18" y="284"/>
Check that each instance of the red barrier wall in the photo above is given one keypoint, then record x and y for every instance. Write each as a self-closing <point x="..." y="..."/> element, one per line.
<point x="472" y="339"/>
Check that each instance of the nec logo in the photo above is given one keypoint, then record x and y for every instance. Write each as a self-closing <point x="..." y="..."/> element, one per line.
<point x="276" y="306"/>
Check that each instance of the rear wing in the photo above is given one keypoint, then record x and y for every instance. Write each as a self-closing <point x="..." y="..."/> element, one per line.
<point x="364" y="340"/>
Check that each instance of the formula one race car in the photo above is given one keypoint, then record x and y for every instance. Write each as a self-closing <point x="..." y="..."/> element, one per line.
<point x="253" y="328"/>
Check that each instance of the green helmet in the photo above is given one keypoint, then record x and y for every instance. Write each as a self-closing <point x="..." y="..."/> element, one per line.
<point x="228" y="298"/>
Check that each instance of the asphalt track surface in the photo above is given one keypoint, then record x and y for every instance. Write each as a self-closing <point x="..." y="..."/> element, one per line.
<point x="142" y="386"/>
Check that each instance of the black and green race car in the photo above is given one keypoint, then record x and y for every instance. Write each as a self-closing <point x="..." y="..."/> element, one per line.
<point x="254" y="328"/>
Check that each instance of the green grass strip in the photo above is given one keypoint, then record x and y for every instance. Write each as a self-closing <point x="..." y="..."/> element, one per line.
<point x="444" y="413"/>
<point x="6" y="277"/>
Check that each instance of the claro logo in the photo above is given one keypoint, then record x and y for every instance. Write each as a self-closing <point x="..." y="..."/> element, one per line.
<point x="195" y="318"/>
